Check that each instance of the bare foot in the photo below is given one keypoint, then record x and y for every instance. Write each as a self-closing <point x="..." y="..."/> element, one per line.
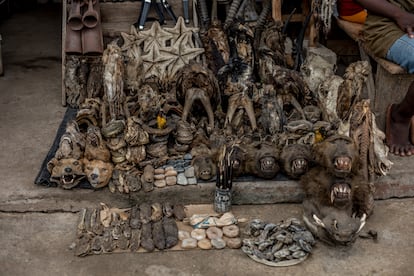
<point x="398" y="134"/>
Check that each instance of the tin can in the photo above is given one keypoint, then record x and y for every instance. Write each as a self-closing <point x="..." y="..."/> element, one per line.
<point x="222" y="200"/>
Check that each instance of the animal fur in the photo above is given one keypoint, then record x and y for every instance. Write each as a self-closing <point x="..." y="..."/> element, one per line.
<point x="98" y="172"/>
<point x="66" y="172"/>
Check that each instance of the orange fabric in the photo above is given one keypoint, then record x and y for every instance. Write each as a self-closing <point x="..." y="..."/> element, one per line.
<point x="356" y="18"/>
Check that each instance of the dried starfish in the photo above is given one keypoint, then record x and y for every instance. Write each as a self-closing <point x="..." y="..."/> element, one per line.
<point x="156" y="36"/>
<point x="180" y="30"/>
<point x="156" y="63"/>
<point x="179" y="54"/>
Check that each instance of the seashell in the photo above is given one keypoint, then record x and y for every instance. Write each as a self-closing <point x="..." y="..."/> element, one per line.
<point x="214" y="233"/>
<point x="218" y="243"/>
<point x="231" y="231"/>
<point x="182" y="235"/>
<point x="198" y="234"/>
<point x="282" y="253"/>
<point x="233" y="243"/>
<point x="188" y="243"/>
<point x="298" y="254"/>
<point x="204" y="244"/>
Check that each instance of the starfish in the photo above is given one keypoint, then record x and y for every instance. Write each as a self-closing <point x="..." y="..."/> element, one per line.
<point x="180" y="55"/>
<point x="155" y="62"/>
<point x="181" y="29"/>
<point x="133" y="38"/>
<point x="155" y="36"/>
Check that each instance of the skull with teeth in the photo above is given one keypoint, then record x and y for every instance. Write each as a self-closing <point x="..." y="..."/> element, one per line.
<point x="262" y="161"/>
<point x="338" y="154"/>
<point x="295" y="159"/>
<point x="67" y="172"/>
<point x="331" y="225"/>
<point x="340" y="193"/>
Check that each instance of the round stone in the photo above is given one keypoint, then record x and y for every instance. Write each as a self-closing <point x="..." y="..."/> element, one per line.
<point x="181" y="179"/>
<point x="189" y="172"/>
<point x="204" y="244"/>
<point x="171" y="180"/>
<point x="189" y="243"/>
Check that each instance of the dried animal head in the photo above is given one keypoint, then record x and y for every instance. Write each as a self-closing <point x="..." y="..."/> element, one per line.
<point x="332" y="225"/>
<point x="67" y="172"/>
<point x="204" y="167"/>
<point x="95" y="147"/>
<point x="338" y="154"/>
<point x="98" y="172"/>
<point x="262" y="161"/>
<point x="295" y="159"/>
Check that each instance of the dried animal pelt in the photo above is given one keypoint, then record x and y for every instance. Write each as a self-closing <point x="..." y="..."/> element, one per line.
<point x="197" y="85"/>
<point x="113" y="78"/>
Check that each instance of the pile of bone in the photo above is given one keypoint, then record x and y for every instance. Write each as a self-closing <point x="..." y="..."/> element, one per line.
<point x="211" y="232"/>
<point x="283" y="244"/>
<point x="106" y="230"/>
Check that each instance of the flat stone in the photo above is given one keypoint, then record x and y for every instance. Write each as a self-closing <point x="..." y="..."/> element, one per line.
<point x="171" y="173"/>
<point x="188" y="156"/>
<point x="192" y="180"/>
<point x="159" y="176"/>
<point x="168" y="168"/>
<point x="181" y="179"/>
<point x="189" y="243"/>
<point x="189" y="172"/>
<point x="159" y="171"/>
<point x="171" y="180"/>
<point x="161" y="183"/>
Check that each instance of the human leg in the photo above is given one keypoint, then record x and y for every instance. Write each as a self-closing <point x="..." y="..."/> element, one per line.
<point x="398" y="125"/>
<point x="399" y="115"/>
<point x="402" y="53"/>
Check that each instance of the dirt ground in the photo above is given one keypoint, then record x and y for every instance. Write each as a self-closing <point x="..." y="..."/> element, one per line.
<point x="37" y="224"/>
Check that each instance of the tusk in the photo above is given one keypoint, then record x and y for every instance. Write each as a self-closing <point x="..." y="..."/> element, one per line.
<point x="318" y="221"/>
<point x="363" y="221"/>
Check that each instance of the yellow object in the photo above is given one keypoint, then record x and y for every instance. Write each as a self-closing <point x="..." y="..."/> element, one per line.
<point x="319" y="135"/>
<point x="356" y="18"/>
<point x="161" y="120"/>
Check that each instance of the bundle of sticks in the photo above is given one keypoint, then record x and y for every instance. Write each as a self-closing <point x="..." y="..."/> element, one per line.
<point x="224" y="178"/>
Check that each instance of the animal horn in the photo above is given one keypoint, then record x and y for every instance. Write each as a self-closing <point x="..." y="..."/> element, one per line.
<point x="75" y="17"/>
<point x="91" y="16"/>
<point x="318" y="221"/>
<point x="363" y="221"/>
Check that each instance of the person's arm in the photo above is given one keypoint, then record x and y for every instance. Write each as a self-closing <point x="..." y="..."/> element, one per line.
<point x="404" y="19"/>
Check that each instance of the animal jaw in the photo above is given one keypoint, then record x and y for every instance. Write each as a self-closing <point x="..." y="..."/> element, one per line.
<point x="67" y="173"/>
